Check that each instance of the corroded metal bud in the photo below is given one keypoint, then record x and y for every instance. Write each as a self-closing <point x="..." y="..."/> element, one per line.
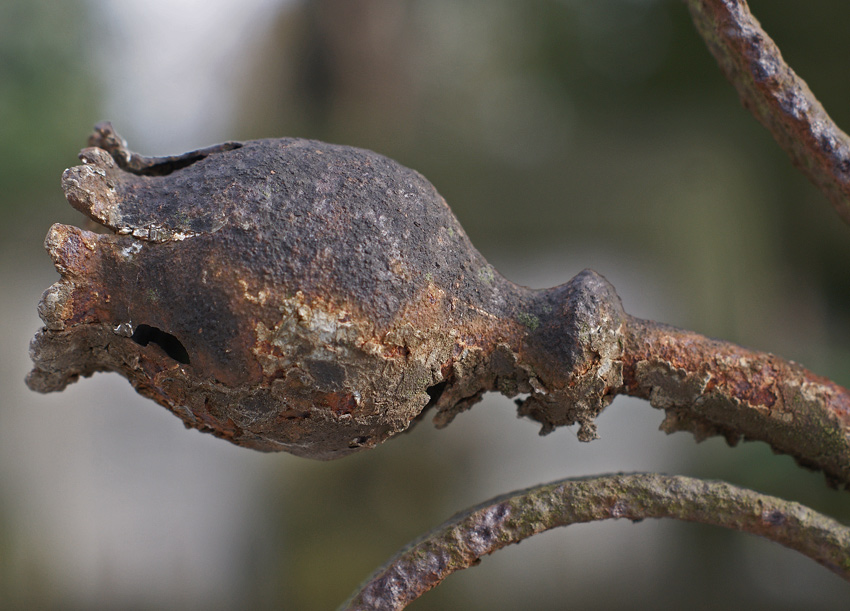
<point x="300" y="296"/>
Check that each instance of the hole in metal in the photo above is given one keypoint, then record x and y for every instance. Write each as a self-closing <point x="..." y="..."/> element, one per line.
<point x="145" y="334"/>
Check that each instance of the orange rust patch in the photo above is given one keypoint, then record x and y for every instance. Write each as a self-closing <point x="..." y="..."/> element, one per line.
<point x="339" y="403"/>
<point x="753" y="387"/>
<point x="736" y="372"/>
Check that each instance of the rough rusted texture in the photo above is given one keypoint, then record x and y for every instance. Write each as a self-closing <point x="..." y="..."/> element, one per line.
<point x="300" y="296"/>
<point x="710" y="387"/>
<point x="466" y="538"/>
<point x="295" y="295"/>
<point x="776" y="96"/>
<point x="579" y="340"/>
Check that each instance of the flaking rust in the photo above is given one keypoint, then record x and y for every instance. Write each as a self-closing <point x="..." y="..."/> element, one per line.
<point x="300" y="296"/>
<point x="318" y="299"/>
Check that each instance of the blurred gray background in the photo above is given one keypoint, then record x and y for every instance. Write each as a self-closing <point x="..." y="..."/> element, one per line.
<point x="564" y="134"/>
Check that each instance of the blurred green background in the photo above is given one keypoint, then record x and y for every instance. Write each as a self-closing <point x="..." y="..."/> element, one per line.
<point x="564" y="134"/>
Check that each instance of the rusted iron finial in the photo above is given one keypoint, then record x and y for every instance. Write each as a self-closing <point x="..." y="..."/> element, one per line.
<point x="295" y="295"/>
<point x="300" y="296"/>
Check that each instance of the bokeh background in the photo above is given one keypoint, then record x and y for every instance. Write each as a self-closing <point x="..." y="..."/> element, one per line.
<point x="565" y="134"/>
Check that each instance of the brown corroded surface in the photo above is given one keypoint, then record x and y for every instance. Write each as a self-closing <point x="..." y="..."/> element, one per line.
<point x="466" y="538"/>
<point x="777" y="96"/>
<point x="295" y="295"/>
<point x="318" y="299"/>
<point x="710" y="387"/>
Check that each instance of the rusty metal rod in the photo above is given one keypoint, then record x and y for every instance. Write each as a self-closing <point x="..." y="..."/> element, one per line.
<point x="777" y="96"/>
<point x="472" y="534"/>
<point x="711" y="387"/>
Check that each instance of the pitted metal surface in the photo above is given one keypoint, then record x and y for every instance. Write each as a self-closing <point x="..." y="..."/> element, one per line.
<point x="291" y="295"/>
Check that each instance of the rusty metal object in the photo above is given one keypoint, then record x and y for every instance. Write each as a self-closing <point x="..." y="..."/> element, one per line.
<point x="318" y="299"/>
<point x="467" y="537"/>
<point x="300" y="296"/>
<point x="777" y="96"/>
<point x="710" y="387"/>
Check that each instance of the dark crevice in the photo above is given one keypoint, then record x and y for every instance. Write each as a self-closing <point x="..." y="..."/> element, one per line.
<point x="435" y="392"/>
<point x="359" y="442"/>
<point x="145" y="334"/>
<point x="163" y="166"/>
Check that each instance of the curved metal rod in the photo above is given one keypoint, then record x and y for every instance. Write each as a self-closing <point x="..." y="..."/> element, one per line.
<point x="776" y="96"/>
<point x="481" y="530"/>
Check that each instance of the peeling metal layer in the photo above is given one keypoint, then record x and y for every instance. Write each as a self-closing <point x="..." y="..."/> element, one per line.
<point x="710" y="387"/>
<point x="469" y="536"/>
<point x="777" y="96"/>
